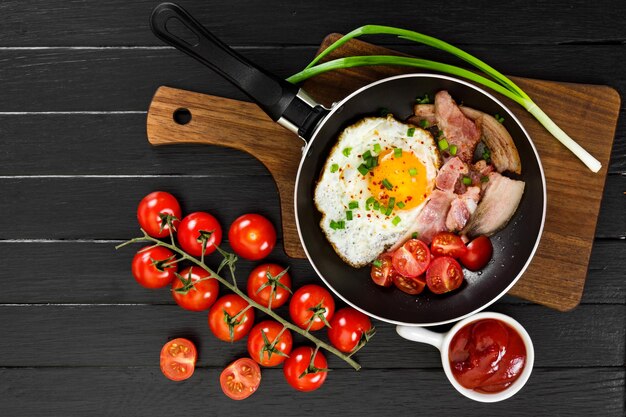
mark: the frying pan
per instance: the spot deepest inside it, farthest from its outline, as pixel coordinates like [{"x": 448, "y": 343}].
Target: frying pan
[{"x": 319, "y": 127}]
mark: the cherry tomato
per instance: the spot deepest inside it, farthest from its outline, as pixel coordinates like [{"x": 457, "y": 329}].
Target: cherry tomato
[
  {"x": 222, "y": 320},
  {"x": 444, "y": 275},
  {"x": 240, "y": 379},
  {"x": 409, "y": 285},
  {"x": 252, "y": 236},
  {"x": 153, "y": 210},
  {"x": 261, "y": 286},
  {"x": 298, "y": 362},
  {"x": 193, "y": 227},
  {"x": 178, "y": 359},
  {"x": 150, "y": 267},
  {"x": 347, "y": 328},
  {"x": 307, "y": 299},
  {"x": 197, "y": 293},
  {"x": 383, "y": 275},
  {"x": 412, "y": 258},
  {"x": 478, "y": 254},
  {"x": 279, "y": 347},
  {"x": 447, "y": 244}
]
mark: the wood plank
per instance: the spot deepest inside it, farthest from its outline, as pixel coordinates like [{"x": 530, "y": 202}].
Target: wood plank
[
  {"x": 71, "y": 203},
  {"x": 43, "y": 22},
  {"x": 131, "y": 335},
  {"x": 605, "y": 281},
  {"x": 144, "y": 391}
]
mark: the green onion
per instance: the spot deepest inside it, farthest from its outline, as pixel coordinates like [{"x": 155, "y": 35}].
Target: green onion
[
  {"x": 443, "y": 144},
  {"x": 334, "y": 168},
  {"x": 467, "y": 180},
  {"x": 484, "y": 178},
  {"x": 348, "y": 215},
  {"x": 377, "y": 148},
  {"x": 396, "y": 220},
  {"x": 413, "y": 172},
  {"x": 400, "y": 204},
  {"x": 499, "y": 118},
  {"x": 377, "y": 263},
  {"x": 363, "y": 169},
  {"x": 453, "y": 150},
  {"x": 415, "y": 235},
  {"x": 410, "y": 132},
  {"x": 392, "y": 202},
  {"x": 424, "y": 124},
  {"x": 341, "y": 224},
  {"x": 367, "y": 155},
  {"x": 486, "y": 154},
  {"x": 334, "y": 225},
  {"x": 439, "y": 133},
  {"x": 384, "y": 210},
  {"x": 387, "y": 184},
  {"x": 397, "y": 152},
  {"x": 371, "y": 162},
  {"x": 388, "y": 211},
  {"x": 369, "y": 202},
  {"x": 499, "y": 82},
  {"x": 346, "y": 151},
  {"x": 376, "y": 205},
  {"x": 422, "y": 100},
  {"x": 353, "y": 204}
]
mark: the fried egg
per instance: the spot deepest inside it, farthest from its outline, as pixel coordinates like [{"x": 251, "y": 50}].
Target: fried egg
[{"x": 375, "y": 182}]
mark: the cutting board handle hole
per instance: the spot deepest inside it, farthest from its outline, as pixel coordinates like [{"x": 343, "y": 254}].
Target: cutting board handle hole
[{"x": 182, "y": 116}]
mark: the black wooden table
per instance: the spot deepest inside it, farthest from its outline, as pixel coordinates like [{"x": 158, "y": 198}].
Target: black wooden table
[{"x": 79, "y": 337}]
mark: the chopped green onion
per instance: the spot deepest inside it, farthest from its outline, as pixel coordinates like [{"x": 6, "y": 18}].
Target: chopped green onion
[
  {"x": 371, "y": 162},
  {"x": 397, "y": 152},
  {"x": 384, "y": 210},
  {"x": 377, "y": 148},
  {"x": 499, "y": 118},
  {"x": 467, "y": 180},
  {"x": 353, "y": 204},
  {"x": 423, "y": 100},
  {"x": 337, "y": 225},
  {"x": 400, "y": 204},
  {"x": 346, "y": 151},
  {"x": 453, "y": 149},
  {"x": 334, "y": 168},
  {"x": 348, "y": 215},
  {"x": 413, "y": 172},
  {"x": 387, "y": 184},
  {"x": 414, "y": 235},
  {"x": 369, "y": 202},
  {"x": 439, "y": 133},
  {"x": 396, "y": 220},
  {"x": 363, "y": 169},
  {"x": 377, "y": 263},
  {"x": 424, "y": 124},
  {"x": 484, "y": 178},
  {"x": 486, "y": 154},
  {"x": 443, "y": 144},
  {"x": 392, "y": 202},
  {"x": 367, "y": 155},
  {"x": 376, "y": 205},
  {"x": 383, "y": 111},
  {"x": 410, "y": 132}
]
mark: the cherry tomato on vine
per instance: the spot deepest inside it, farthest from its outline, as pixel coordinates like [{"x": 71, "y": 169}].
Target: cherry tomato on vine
[
  {"x": 311, "y": 303},
  {"x": 150, "y": 267},
  {"x": 178, "y": 359},
  {"x": 261, "y": 286},
  {"x": 240, "y": 379},
  {"x": 412, "y": 258},
  {"x": 279, "y": 347},
  {"x": 347, "y": 328},
  {"x": 447, "y": 244},
  {"x": 444, "y": 275},
  {"x": 298, "y": 363},
  {"x": 478, "y": 253},
  {"x": 222, "y": 321},
  {"x": 198, "y": 228},
  {"x": 196, "y": 293},
  {"x": 252, "y": 236},
  {"x": 409, "y": 285},
  {"x": 382, "y": 270},
  {"x": 153, "y": 210}
]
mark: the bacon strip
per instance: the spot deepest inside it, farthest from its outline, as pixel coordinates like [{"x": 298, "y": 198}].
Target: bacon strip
[
  {"x": 457, "y": 128},
  {"x": 449, "y": 174}
]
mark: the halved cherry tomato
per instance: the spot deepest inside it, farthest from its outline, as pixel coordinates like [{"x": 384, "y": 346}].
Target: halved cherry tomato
[
  {"x": 478, "y": 253},
  {"x": 311, "y": 305},
  {"x": 412, "y": 258},
  {"x": 444, "y": 275},
  {"x": 261, "y": 286},
  {"x": 280, "y": 343},
  {"x": 409, "y": 285},
  {"x": 197, "y": 293},
  {"x": 153, "y": 210},
  {"x": 198, "y": 228},
  {"x": 382, "y": 275},
  {"x": 252, "y": 236},
  {"x": 347, "y": 328},
  {"x": 178, "y": 359},
  {"x": 298, "y": 363},
  {"x": 222, "y": 321},
  {"x": 240, "y": 379},
  {"x": 151, "y": 267},
  {"x": 447, "y": 244}
]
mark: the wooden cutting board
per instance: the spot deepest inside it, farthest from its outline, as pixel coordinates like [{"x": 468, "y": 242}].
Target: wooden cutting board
[{"x": 556, "y": 276}]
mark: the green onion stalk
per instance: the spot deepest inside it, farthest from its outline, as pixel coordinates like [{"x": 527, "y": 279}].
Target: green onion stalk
[{"x": 498, "y": 82}]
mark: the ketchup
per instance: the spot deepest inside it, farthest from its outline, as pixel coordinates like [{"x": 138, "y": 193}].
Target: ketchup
[{"x": 487, "y": 356}]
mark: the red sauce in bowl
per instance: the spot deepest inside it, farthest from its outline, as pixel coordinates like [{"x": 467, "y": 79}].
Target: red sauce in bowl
[{"x": 487, "y": 356}]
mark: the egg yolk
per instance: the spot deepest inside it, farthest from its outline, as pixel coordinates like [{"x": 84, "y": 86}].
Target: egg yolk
[{"x": 404, "y": 174}]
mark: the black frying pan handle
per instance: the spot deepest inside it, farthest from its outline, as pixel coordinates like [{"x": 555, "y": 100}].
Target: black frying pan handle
[{"x": 273, "y": 94}]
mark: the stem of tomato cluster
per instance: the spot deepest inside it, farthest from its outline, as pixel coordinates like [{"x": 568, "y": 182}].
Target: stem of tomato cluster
[{"x": 318, "y": 343}]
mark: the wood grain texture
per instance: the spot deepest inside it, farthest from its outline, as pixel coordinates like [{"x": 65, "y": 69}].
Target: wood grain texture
[{"x": 570, "y": 228}]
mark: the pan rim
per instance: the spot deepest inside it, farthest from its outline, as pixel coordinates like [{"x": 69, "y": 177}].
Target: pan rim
[{"x": 335, "y": 108}]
